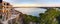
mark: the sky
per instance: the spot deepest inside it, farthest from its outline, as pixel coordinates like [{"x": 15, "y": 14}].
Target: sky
[{"x": 35, "y": 2}]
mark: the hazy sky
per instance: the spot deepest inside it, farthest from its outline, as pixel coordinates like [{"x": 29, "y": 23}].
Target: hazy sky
[
  {"x": 34, "y": 1},
  {"x": 37, "y": 2}
]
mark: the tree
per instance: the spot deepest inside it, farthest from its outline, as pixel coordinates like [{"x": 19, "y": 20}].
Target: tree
[
  {"x": 49, "y": 17},
  {"x": 30, "y": 18}
]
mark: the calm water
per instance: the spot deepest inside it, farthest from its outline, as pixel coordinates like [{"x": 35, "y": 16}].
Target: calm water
[{"x": 31, "y": 11}]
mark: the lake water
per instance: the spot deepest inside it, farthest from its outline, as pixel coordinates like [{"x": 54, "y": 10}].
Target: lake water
[{"x": 31, "y": 11}]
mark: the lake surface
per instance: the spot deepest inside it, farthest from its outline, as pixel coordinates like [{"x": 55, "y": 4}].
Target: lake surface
[{"x": 31, "y": 11}]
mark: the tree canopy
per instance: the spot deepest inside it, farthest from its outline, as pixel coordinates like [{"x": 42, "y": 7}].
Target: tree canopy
[
  {"x": 49, "y": 17},
  {"x": 30, "y": 18}
]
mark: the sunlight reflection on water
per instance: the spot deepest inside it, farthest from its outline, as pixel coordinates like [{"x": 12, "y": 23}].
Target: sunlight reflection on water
[{"x": 31, "y": 11}]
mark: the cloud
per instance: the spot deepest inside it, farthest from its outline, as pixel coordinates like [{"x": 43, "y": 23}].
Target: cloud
[
  {"x": 36, "y": 5},
  {"x": 41, "y": 3}
]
